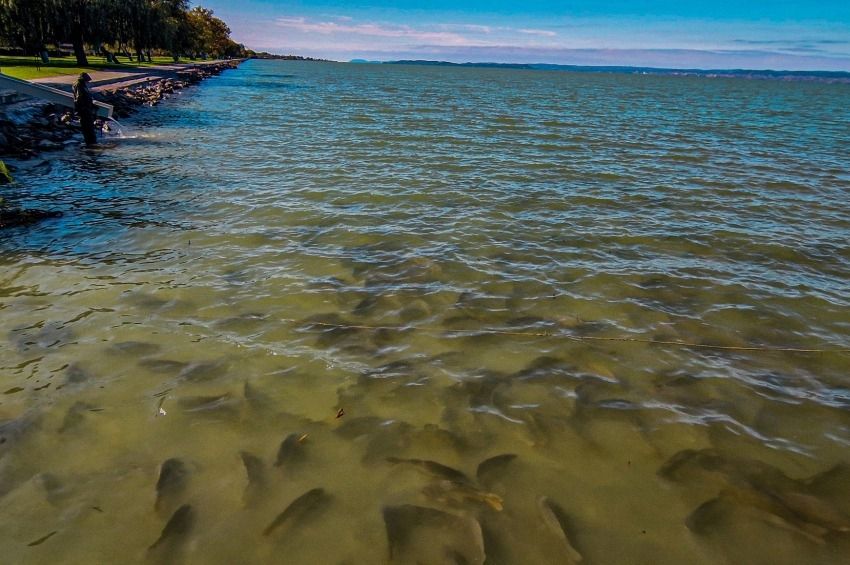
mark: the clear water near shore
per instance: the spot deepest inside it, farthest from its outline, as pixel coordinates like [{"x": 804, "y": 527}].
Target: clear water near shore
[{"x": 194, "y": 260}]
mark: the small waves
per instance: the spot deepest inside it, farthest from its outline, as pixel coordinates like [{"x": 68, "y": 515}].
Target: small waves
[{"x": 427, "y": 263}]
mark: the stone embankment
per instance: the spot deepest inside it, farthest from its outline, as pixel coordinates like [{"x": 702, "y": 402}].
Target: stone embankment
[{"x": 29, "y": 127}]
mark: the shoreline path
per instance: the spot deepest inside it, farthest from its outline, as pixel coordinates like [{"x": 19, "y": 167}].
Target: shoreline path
[{"x": 106, "y": 81}]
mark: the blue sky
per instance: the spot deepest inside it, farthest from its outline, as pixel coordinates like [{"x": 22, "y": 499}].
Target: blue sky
[{"x": 777, "y": 34}]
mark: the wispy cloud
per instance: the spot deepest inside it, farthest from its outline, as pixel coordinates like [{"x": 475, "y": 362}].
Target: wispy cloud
[
  {"x": 569, "y": 41},
  {"x": 543, "y": 32},
  {"x": 375, "y": 30},
  {"x": 451, "y": 34},
  {"x": 475, "y": 28},
  {"x": 826, "y": 47},
  {"x": 786, "y": 41}
]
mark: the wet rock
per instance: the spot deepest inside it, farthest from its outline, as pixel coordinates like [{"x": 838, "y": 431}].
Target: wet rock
[
  {"x": 16, "y": 217},
  {"x": 48, "y": 145}
]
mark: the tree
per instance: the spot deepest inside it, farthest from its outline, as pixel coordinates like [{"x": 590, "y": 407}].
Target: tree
[
  {"x": 173, "y": 25},
  {"x": 76, "y": 20},
  {"x": 209, "y": 35},
  {"x": 27, "y": 24},
  {"x": 144, "y": 25}
]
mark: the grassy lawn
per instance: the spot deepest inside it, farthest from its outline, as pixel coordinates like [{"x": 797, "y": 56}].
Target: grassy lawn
[{"x": 29, "y": 68}]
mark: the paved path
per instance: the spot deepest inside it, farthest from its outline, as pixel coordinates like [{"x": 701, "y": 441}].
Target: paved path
[
  {"x": 109, "y": 80},
  {"x": 116, "y": 79}
]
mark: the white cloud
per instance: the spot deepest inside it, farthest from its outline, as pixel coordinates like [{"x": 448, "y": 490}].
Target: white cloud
[
  {"x": 543, "y": 32},
  {"x": 304, "y": 25}
]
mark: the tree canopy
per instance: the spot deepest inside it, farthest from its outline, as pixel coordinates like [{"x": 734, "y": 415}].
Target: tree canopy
[{"x": 105, "y": 27}]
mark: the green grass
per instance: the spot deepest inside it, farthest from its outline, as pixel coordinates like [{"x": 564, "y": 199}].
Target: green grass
[{"x": 29, "y": 68}]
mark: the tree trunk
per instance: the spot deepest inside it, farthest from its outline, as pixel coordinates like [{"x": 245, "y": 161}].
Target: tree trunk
[
  {"x": 77, "y": 36},
  {"x": 80, "y": 52},
  {"x": 77, "y": 42},
  {"x": 138, "y": 45}
]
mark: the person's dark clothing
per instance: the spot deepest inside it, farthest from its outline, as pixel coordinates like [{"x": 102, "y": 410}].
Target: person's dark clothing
[
  {"x": 84, "y": 105},
  {"x": 83, "y": 101},
  {"x": 89, "y": 133}
]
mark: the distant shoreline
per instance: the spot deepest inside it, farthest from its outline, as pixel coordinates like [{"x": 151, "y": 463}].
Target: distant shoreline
[{"x": 837, "y": 77}]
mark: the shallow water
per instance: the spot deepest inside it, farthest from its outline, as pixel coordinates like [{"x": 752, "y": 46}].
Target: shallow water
[{"x": 481, "y": 229}]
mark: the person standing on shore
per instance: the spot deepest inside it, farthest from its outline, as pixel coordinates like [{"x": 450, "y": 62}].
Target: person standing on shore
[{"x": 84, "y": 106}]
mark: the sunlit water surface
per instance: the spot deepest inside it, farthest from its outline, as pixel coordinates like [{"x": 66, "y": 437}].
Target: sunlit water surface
[{"x": 198, "y": 259}]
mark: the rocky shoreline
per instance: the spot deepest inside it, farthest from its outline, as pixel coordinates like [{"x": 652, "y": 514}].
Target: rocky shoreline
[
  {"x": 46, "y": 127},
  {"x": 50, "y": 127}
]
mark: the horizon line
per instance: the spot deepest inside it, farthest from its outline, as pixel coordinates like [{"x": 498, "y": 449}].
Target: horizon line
[{"x": 447, "y": 62}]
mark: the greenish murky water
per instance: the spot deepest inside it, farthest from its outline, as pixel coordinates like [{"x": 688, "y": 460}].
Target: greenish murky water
[{"x": 290, "y": 242}]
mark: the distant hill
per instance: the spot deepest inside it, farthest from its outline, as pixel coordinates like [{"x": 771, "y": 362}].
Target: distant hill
[
  {"x": 815, "y": 76},
  {"x": 265, "y": 55}
]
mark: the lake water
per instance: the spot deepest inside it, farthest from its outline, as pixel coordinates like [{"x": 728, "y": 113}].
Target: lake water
[{"x": 394, "y": 265}]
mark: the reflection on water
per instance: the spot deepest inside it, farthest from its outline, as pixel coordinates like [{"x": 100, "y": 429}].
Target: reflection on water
[{"x": 265, "y": 325}]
